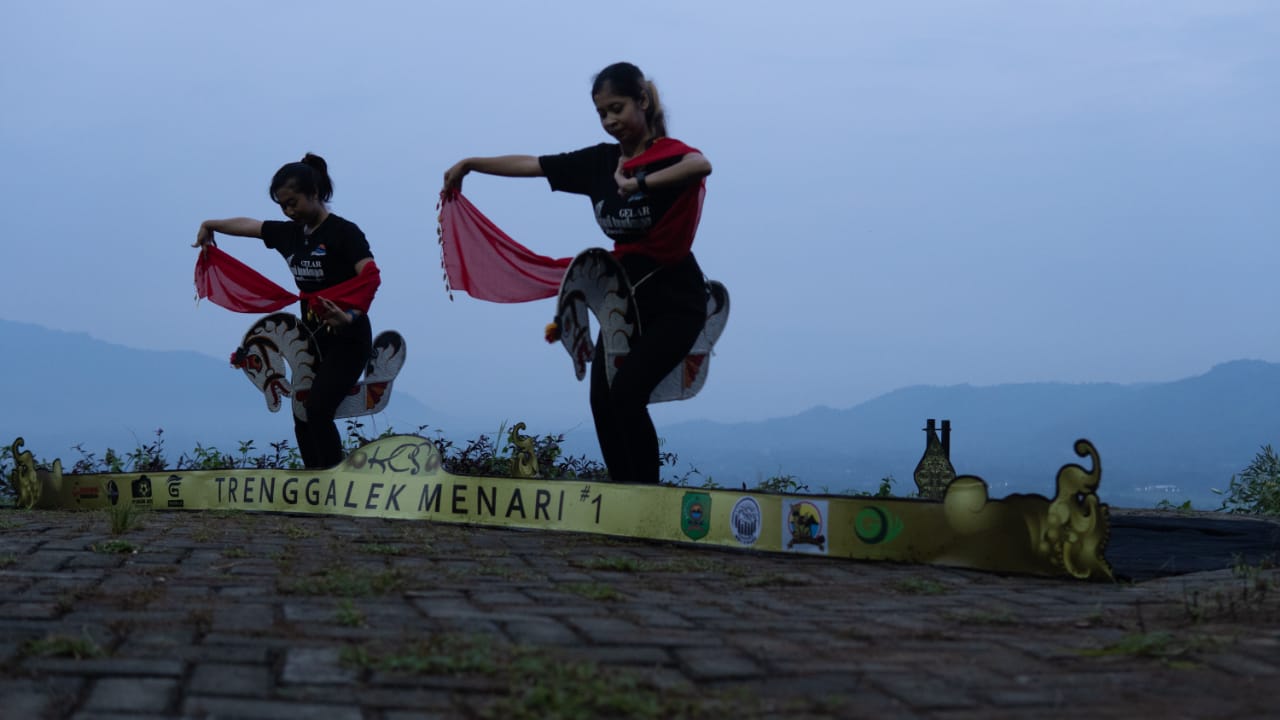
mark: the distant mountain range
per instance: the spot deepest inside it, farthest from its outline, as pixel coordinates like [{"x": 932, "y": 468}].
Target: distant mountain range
[
  {"x": 1174, "y": 440},
  {"x": 61, "y": 389}
]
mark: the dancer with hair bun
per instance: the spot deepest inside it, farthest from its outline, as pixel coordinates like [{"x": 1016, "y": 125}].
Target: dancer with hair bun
[{"x": 323, "y": 250}]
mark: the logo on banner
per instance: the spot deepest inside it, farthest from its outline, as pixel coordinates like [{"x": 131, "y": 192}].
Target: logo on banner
[
  {"x": 874, "y": 525},
  {"x": 802, "y": 524},
  {"x": 141, "y": 489},
  {"x": 744, "y": 521},
  {"x": 174, "y": 486},
  {"x": 695, "y": 515},
  {"x": 85, "y": 492},
  {"x": 113, "y": 492}
]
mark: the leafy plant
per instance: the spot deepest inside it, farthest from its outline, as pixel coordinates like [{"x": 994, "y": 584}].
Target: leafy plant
[
  {"x": 782, "y": 484},
  {"x": 379, "y": 549},
  {"x": 205, "y": 458},
  {"x": 148, "y": 457},
  {"x": 689, "y": 478},
  {"x": 615, "y": 563},
  {"x": 484, "y": 456},
  {"x": 124, "y": 517},
  {"x": 533, "y": 683},
  {"x": 1256, "y": 490},
  {"x": 1184, "y": 507},
  {"x": 347, "y": 582},
  {"x": 8, "y": 495},
  {"x": 1174, "y": 652},
  {"x": 62, "y": 646},
  {"x": 918, "y": 586},
  {"x": 114, "y": 546},
  {"x": 349, "y": 614},
  {"x": 886, "y": 487},
  {"x": 479, "y": 456},
  {"x": 594, "y": 591}
]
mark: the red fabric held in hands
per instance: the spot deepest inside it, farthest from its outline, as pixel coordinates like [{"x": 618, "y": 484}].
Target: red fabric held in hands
[
  {"x": 486, "y": 263},
  {"x": 231, "y": 284}
]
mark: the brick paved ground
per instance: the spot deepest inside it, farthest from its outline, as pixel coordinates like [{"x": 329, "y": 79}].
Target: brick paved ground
[{"x": 223, "y": 615}]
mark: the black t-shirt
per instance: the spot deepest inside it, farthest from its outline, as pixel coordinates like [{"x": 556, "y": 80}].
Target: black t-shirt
[
  {"x": 322, "y": 259},
  {"x": 589, "y": 172}
]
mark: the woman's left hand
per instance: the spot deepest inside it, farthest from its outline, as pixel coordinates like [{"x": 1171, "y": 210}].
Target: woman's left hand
[
  {"x": 332, "y": 315},
  {"x": 627, "y": 185}
]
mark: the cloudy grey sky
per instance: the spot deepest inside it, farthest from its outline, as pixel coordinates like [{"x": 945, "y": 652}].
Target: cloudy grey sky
[{"x": 904, "y": 193}]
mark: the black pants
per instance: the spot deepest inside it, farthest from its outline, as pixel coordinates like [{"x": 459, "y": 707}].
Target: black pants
[
  {"x": 672, "y": 304},
  {"x": 343, "y": 356}
]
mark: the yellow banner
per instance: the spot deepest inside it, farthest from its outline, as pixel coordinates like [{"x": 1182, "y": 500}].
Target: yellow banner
[{"x": 401, "y": 477}]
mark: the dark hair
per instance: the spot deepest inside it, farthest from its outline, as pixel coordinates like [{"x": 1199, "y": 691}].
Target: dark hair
[
  {"x": 626, "y": 79},
  {"x": 309, "y": 177}
]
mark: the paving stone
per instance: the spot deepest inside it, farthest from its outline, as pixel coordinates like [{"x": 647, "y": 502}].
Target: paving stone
[
  {"x": 245, "y": 616},
  {"x": 30, "y": 610},
  {"x": 416, "y": 715},
  {"x": 230, "y": 679},
  {"x": 1244, "y": 666},
  {"x": 215, "y": 636},
  {"x": 540, "y": 633},
  {"x": 717, "y": 663},
  {"x": 922, "y": 692},
  {"x": 635, "y": 655},
  {"x": 308, "y": 666},
  {"x": 452, "y": 683},
  {"x": 132, "y": 695},
  {"x": 653, "y": 617},
  {"x": 95, "y": 560},
  {"x": 404, "y": 695},
  {"x": 500, "y": 598},
  {"x": 167, "y": 637},
  {"x": 100, "y": 667},
  {"x": 38, "y": 697},
  {"x": 218, "y": 708}
]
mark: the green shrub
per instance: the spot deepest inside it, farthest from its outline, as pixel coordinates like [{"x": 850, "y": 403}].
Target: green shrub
[
  {"x": 480, "y": 456},
  {"x": 1256, "y": 490}
]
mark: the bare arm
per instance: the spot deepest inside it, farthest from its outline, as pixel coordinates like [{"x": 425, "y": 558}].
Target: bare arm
[
  {"x": 504, "y": 165},
  {"x": 241, "y": 226},
  {"x": 691, "y": 167}
]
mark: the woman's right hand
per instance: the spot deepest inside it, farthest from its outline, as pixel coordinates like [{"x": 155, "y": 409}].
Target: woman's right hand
[
  {"x": 453, "y": 176},
  {"x": 204, "y": 237}
]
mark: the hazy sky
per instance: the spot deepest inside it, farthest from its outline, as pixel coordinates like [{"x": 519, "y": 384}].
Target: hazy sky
[{"x": 903, "y": 193}]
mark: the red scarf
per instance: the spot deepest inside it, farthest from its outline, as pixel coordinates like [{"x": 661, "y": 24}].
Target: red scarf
[
  {"x": 672, "y": 238},
  {"x": 492, "y": 267},
  {"x": 231, "y": 284},
  {"x": 484, "y": 262}
]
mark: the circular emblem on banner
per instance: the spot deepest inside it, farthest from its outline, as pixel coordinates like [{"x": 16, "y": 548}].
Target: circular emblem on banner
[
  {"x": 875, "y": 525},
  {"x": 744, "y": 520}
]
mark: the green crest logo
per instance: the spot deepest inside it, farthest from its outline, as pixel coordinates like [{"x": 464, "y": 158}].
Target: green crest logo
[
  {"x": 874, "y": 525},
  {"x": 695, "y": 515}
]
